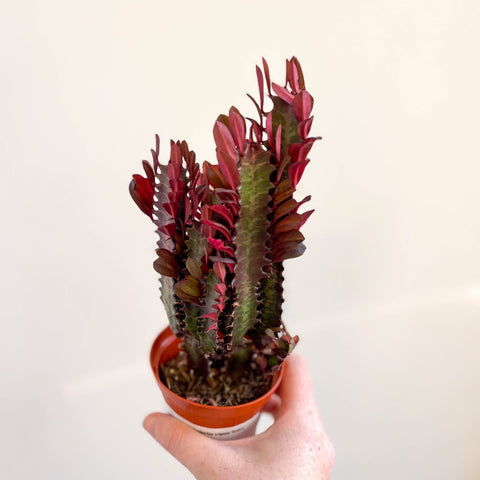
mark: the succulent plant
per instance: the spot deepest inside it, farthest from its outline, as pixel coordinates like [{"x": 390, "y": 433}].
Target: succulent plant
[{"x": 224, "y": 230}]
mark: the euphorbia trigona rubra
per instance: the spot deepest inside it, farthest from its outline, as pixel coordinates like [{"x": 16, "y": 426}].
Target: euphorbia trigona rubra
[{"x": 225, "y": 229}]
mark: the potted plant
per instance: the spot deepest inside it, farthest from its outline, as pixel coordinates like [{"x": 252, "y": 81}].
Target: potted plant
[{"x": 224, "y": 231}]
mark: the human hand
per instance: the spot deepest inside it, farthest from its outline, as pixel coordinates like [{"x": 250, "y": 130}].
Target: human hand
[{"x": 294, "y": 447}]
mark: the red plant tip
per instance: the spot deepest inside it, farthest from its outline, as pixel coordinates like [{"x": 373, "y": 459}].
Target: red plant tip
[
  {"x": 295, "y": 75},
  {"x": 283, "y": 93},
  {"x": 260, "y": 87},
  {"x": 227, "y": 233},
  {"x": 220, "y": 246},
  {"x": 237, "y": 129},
  {"x": 141, "y": 191},
  {"x": 295, "y": 171},
  {"x": 302, "y": 105},
  {"x": 267, "y": 76},
  {"x": 224, "y": 213},
  {"x": 226, "y": 154}
]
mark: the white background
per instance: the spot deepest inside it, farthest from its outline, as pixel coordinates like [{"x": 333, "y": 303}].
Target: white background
[{"x": 386, "y": 299}]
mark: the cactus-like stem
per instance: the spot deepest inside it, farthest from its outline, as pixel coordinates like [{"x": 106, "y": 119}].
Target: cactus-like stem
[
  {"x": 250, "y": 239},
  {"x": 270, "y": 294}
]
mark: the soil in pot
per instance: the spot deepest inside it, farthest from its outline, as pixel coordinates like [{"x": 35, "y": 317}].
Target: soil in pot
[{"x": 222, "y": 389}]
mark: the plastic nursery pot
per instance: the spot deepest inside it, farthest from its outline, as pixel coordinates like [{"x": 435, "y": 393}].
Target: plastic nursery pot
[{"x": 224, "y": 423}]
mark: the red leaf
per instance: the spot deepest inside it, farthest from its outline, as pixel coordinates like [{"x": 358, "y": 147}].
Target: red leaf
[
  {"x": 289, "y": 251},
  {"x": 148, "y": 171},
  {"x": 237, "y": 127},
  {"x": 228, "y": 261},
  {"x": 171, "y": 208},
  {"x": 169, "y": 230},
  {"x": 220, "y": 288},
  {"x": 187, "y": 212},
  {"x": 194, "y": 268},
  {"x": 219, "y": 270},
  {"x": 166, "y": 264},
  {"x": 205, "y": 214},
  {"x": 286, "y": 245},
  {"x": 304, "y": 128},
  {"x": 267, "y": 75},
  {"x": 220, "y": 306},
  {"x": 282, "y": 192},
  {"x": 296, "y": 170},
  {"x": 283, "y": 93},
  {"x": 214, "y": 176},
  {"x": 175, "y": 197},
  {"x": 292, "y": 76},
  {"x": 141, "y": 191},
  {"x": 228, "y": 168},
  {"x": 143, "y": 185},
  {"x": 223, "y": 139},
  {"x": 301, "y": 81},
  {"x": 223, "y": 119},
  {"x": 292, "y": 222},
  {"x": 287, "y": 71},
  {"x": 220, "y": 228},
  {"x": 224, "y": 212},
  {"x": 302, "y": 105},
  {"x": 176, "y": 185},
  {"x": 260, "y": 86},
  {"x": 299, "y": 151},
  {"x": 278, "y": 142},
  {"x": 306, "y": 199},
  {"x": 220, "y": 246},
  {"x": 212, "y": 316},
  {"x": 232, "y": 206},
  {"x": 281, "y": 167},
  {"x": 227, "y": 195},
  {"x": 189, "y": 289},
  {"x": 305, "y": 216},
  {"x": 285, "y": 208},
  {"x": 175, "y": 160},
  {"x": 255, "y": 131}
]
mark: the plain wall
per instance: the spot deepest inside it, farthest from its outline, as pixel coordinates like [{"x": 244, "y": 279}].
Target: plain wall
[{"x": 386, "y": 299}]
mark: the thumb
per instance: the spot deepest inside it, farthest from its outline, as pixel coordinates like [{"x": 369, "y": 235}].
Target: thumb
[
  {"x": 296, "y": 390},
  {"x": 188, "y": 446}
]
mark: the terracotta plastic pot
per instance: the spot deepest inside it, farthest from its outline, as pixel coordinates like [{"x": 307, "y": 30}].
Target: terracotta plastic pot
[{"x": 220, "y": 422}]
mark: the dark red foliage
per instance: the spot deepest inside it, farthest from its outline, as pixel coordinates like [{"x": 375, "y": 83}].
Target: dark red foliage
[
  {"x": 196, "y": 210},
  {"x": 141, "y": 190}
]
